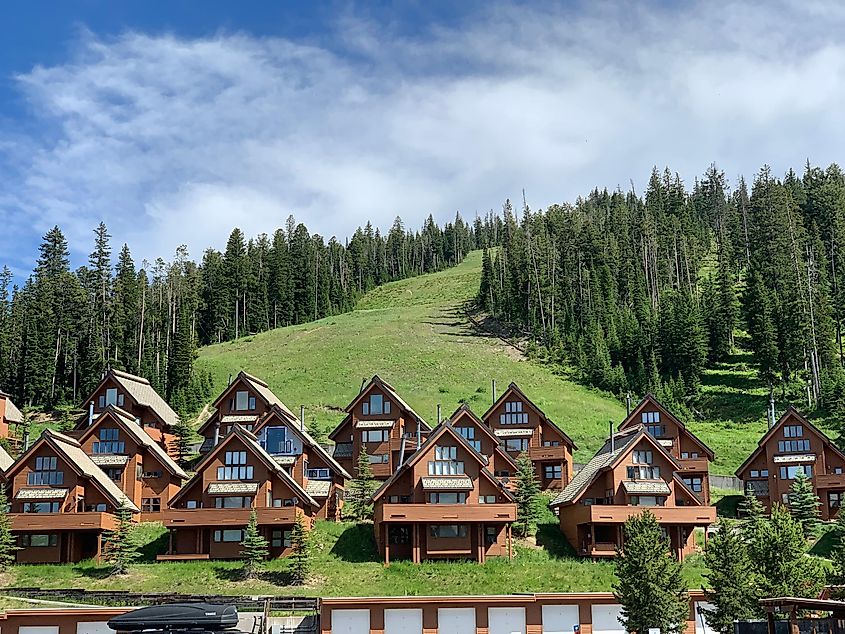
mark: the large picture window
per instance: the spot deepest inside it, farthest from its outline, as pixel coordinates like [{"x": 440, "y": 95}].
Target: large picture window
[
  {"x": 447, "y": 497},
  {"x": 516, "y": 444},
  {"x": 790, "y": 472},
  {"x": 446, "y": 531},
  {"x": 445, "y": 462},
  {"x": 236, "y": 467},
  {"x": 229, "y": 535},
  {"x": 513, "y": 414},
  {"x": 46, "y": 472}
]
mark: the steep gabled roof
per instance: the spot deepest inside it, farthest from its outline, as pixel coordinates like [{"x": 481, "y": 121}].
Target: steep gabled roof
[
  {"x": 13, "y": 414},
  {"x": 513, "y": 388},
  {"x": 464, "y": 410},
  {"x": 140, "y": 390},
  {"x": 304, "y": 436},
  {"x": 790, "y": 411},
  {"x": 651, "y": 399},
  {"x": 611, "y": 452},
  {"x": 71, "y": 452},
  {"x": 6, "y": 460},
  {"x": 260, "y": 387},
  {"x": 443, "y": 428},
  {"x": 251, "y": 443},
  {"x": 142, "y": 438},
  {"x": 377, "y": 381}
]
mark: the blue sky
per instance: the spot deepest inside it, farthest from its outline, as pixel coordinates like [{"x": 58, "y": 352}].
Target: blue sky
[{"x": 175, "y": 121}]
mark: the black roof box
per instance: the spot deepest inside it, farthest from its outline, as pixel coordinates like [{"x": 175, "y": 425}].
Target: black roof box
[{"x": 177, "y": 616}]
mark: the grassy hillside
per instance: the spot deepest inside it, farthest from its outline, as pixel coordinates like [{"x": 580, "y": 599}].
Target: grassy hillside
[{"x": 414, "y": 334}]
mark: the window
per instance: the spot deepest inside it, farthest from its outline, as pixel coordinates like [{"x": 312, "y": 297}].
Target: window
[
  {"x": 229, "y": 535},
  {"x": 486, "y": 499},
  {"x": 764, "y": 473},
  {"x": 793, "y": 431},
  {"x": 755, "y": 473},
  {"x": 551, "y": 472},
  {"x": 834, "y": 500},
  {"x": 241, "y": 400},
  {"x": 280, "y": 538},
  {"x": 191, "y": 504},
  {"x": 551, "y": 443},
  {"x": 114, "y": 473},
  {"x": 398, "y": 499},
  {"x": 502, "y": 474},
  {"x": 150, "y": 505},
  {"x": 232, "y": 502},
  {"x": 236, "y": 467},
  {"x": 375, "y": 435},
  {"x": 650, "y": 417},
  {"x": 151, "y": 475},
  {"x": 445, "y": 531},
  {"x": 276, "y": 441},
  {"x": 837, "y": 470},
  {"x": 41, "y": 507},
  {"x": 45, "y": 472},
  {"x": 513, "y": 414},
  {"x": 318, "y": 474},
  {"x": 381, "y": 458},
  {"x": 647, "y": 500},
  {"x": 447, "y": 497},
  {"x": 376, "y": 405},
  {"x": 469, "y": 435},
  {"x": 644, "y": 472},
  {"x": 516, "y": 444},
  {"x": 657, "y": 431},
  {"x": 694, "y": 484},
  {"x": 794, "y": 446},
  {"x": 789, "y": 473},
  {"x": 642, "y": 457},
  {"x": 491, "y": 535},
  {"x": 111, "y": 396},
  {"x": 109, "y": 442},
  {"x": 445, "y": 462},
  {"x": 39, "y": 540},
  {"x": 399, "y": 535}
]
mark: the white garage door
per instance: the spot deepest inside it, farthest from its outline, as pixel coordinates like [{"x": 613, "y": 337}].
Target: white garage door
[
  {"x": 506, "y": 620},
  {"x": 38, "y": 629},
  {"x": 606, "y": 619},
  {"x": 701, "y": 626},
  {"x": 403, "y": 622},
  {"x": 456, "y": 621},
  {"x": 93, "y": 628},
  {"x": 560, "y": 619},
  {"x": 350, "y": 622}
]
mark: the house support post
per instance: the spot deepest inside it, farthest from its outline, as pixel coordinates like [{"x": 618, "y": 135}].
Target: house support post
[
  {"x": 510, "y": 543},
  {"x": 386, "y": 542}
]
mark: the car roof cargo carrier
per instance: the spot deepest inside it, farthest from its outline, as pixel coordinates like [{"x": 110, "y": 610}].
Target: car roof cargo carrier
[{"x": 195, "y": 618}]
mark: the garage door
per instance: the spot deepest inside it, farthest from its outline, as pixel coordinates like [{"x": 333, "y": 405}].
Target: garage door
[
  {"x": 350, "y": 622},
  {"x": 606, "y": 619},
  {"x": 93, "y": 628},
  {"x": 403, "y": 622},
  {"x": 38, "y": 629},
  {"x": 456, "y": 621},
  {"x": 560, "y": 619},
  {"x": 506, "y": 620},
  {"x": 701, "y": 626}
]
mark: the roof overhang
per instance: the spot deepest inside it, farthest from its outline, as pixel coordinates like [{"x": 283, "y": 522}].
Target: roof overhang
[
  {"x": 645, "y": 487},
  {"x": 232, "y": 488},
  {"x": 106, "y": 460},
  {"x": 796, "y": 459},
  {"x": 375, "y": 424},
  {"x": 447, "y": 483},
  {"x": 514, "y": 433},
  {"x": 41, "y": 494}
]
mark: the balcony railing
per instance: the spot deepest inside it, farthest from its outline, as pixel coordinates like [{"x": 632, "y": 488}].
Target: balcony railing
[
  {"x": 547, "y": 453},
  {"x": 830, "y": 481},
  {"x": 446, "y": 513},
  {"x": 174, "y": 518},
  {"x": 63, "y": 521}
]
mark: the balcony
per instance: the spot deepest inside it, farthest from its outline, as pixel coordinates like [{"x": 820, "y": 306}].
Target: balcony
[
  {"x": 539, "y": 454},
  {"x": 619, "y": 514},
  {"x": 693, "y": 465},
  {"x": 830, "y": 481},
  {"x": 90, "y": 521},
  {"x": 395, "y": 444},
  {"x": 446, "y": 513},
  {"x": 603, "y": 549},
  {"x": 175, "y": 518}
]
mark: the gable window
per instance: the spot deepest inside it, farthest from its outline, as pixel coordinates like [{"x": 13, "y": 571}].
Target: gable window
[
  {"x": 232, "y": 502},
  {"x": 644, "y": 472},
  {"x": 109, "y": 442},
  {"x": 516, "y": 444},
  {"x": 236, "y": 467},
  {"x": 650, "y": 417},
  {"x": 794, "y": 446},
  {"x": 445, "y": 531},
  {"x": 486, "y": 499},
  {"x": 658, "y": 431},
  {"x": 642, "y": 457},
  {"x": 243, "y": 401},
  {"x": 468, "y": 434},
  {"x": 552, "y": 472},
  {"x": 229, "y": 535},
  {"x": 45, "y": 472},
  {"x": 694, "y": 484},
  {"x": 513, "y": 414},
  {"x": 150, "y": 505},
  {"x": 445, "y": 462},
  {"x": 793, "y": 431},
  {"x": 375, "y": 435},
  {"x": 789, "y": 473},
  {"x": 276, "y": 441},
  {"x": 41, "y": 507},
  {"x": 280, "y": 538},
  {"x": 114, "y": 473},
  {"x": 376, "y": 405},
  {"x": 447, "y": 497}
]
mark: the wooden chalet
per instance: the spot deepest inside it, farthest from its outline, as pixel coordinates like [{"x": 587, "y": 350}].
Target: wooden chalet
[
  {"x": 207, "y": 518},
  {"x": 61, "y": 502},
  {"x": 689, "y": 451},
  {"x": 521, "y": 427},
  {"x": 133, "y": 461},
  {"x": 379, "y": 422},
  {"x": 243, "y": 402},
  {"x": 632, "y": 471},
  {"x": 793, "y": 445},
  {"x": 10, "y": 417},
  {"x": 443, "y": 503},
  {"x": 134, "y": 395},
  {"x": 311, "y": 466},
  {"x": 481, "y": 438}
]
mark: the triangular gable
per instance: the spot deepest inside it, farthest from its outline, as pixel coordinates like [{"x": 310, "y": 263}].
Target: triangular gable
[
  {"x": 679, "y": 482},
  {"x": 259, "y": 387},
  {"x": 513, "y": 388},
  {"x": 252, "y": 444},
  {"x": 790, "y": 411},
  {"x": 141, "y": 392},
  {"x": 649, "y": 399},
  {"x": 6, "y": 460},
  {"x": 465, "y": 412},
  {"x": 377, "y": 381},
  {"x": 127, "y": 423},
  {"x": 444, "y": 428},
  {"x": 80, "y": 463}
]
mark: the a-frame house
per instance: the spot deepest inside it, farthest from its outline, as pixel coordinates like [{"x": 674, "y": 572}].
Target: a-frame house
[
  {"x": 485, "y": 442},
  {"x": 522, "y": 427},
  {"x": 793, "y": 445},
  {"x": 443, "y": 503},
  {"x": 292, "y": 447},
  {"x": 207, "y": 518},
  {"x": 691, "y": 453},
  {"x": 380, "y": 423}
]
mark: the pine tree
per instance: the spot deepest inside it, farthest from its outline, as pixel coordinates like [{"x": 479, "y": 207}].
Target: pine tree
[
  {"x": 300, "y": 542},
  {"x": 650, "y": 584},
  {"x": 8, "y": 543},
  {"x": 184, "y": 438},
  {"x": 485, "y": 290},
  {"x": 358, "y": 505},
  {"x": 254, "y": 549},
  {"x": 731, "y": 580},
  {"x": 836, "y": 576},
  {"x": 804, "y": 504},
  {"x": 527, "y": 494},
  {"x": 121, "y": 548}
]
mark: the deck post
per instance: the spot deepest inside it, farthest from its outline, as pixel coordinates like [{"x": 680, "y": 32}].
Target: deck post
[
  {"x": 415, "y": 557},
  {"x": 99, "y": 547},
  {"x": 170, "y": 542},
  {"x": 793, "y": 621},
  {"x": 770, "y": 619},
  {"x": 510, "y": 543},
  {"x": 386, "y": 545}
]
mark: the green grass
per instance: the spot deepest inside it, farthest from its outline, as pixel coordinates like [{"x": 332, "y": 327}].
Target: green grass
[
  {"x": 415, "y": 335},
  {"x": 346, "y": 564}
]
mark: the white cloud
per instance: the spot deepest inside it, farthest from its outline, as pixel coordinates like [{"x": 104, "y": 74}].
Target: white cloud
[{"x": 176, "y": 141}]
